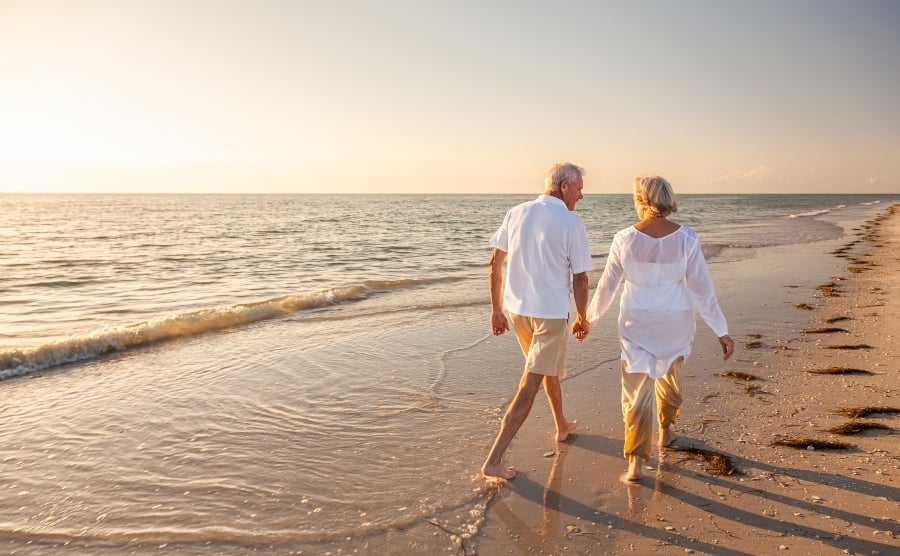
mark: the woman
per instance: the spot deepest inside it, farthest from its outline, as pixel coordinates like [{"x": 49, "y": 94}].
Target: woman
[{"x": 666, "y": 283}]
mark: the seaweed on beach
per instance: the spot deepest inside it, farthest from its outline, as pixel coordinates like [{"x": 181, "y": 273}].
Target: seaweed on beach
[
  {"x": 753, "y": 345},
  {"x": 857, "y": 269},
  {"x": 840, "y": 371},
  {"x": 739, "y": 375},
  {"x": 823, "y": 330},
  {"x": 755, "y": 336},
  {"x": 856, "y": 412},
  {"x": 828, "y": 290},
  {"x": 718, "y": 464},
  {"x": 856, "y": 427},
  {"x": 850, "y": 346},
  {"x": 812, "y": 443},
  {"x": 805, "y": 306},
  {"x": 833, "y": 320},
  {"x": 754, "y": 389}
]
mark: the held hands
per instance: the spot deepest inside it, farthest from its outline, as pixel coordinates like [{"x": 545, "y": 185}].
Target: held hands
[
  {"x": 499, "y": 324},
  {"x": 581, "y": 328},
  {"x": 727, "y": 346}
]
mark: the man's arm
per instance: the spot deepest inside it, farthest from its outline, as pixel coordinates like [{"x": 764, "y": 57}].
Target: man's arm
[
  {"x": 581, "y": 327},
  {"x": 499, "y": 324}
]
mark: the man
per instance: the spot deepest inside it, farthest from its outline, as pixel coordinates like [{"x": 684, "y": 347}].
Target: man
[{"x": 544, "y": 241}]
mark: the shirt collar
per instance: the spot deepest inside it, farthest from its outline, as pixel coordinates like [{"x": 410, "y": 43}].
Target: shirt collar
[{"x": 551, "y": 200}]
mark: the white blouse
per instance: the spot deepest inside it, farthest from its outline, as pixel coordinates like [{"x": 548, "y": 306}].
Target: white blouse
[{"x": 666, "y": 283}]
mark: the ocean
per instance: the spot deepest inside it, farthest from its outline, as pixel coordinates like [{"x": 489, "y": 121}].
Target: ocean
[{"x": 228, "y": 374}]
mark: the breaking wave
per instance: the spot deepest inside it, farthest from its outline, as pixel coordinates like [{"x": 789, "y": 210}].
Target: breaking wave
[
  {"x": 818, "y": 212},
  {"x": 109, "y": 339}
]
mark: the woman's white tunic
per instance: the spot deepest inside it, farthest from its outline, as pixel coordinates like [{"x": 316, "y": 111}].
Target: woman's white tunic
[{"x": 666, "y": 283}]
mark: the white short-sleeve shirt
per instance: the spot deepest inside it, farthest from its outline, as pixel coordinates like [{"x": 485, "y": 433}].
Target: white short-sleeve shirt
[{"x": 545, "y": 244}]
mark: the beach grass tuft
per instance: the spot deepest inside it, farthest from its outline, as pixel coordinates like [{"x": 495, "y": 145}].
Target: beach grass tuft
[
  {"x": 840, "y": 371},
  {"x": 856, "y": 427},
  {"x": 717, "y": 463},
  {"x": 812, "y": 443}
]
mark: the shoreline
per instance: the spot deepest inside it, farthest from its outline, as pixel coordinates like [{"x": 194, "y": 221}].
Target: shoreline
[{"x": 569, "y": 498}]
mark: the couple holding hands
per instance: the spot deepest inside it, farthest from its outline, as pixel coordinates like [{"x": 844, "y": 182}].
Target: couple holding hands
[{"x": 666, "y": 280}]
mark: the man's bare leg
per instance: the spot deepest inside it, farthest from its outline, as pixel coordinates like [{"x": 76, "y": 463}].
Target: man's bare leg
[
  {"x": 512, "y": 421},
  {"x": 554, "y": 395}
]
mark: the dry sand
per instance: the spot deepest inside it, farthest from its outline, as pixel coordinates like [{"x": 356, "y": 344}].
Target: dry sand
[{"x": 569, "y": 499}]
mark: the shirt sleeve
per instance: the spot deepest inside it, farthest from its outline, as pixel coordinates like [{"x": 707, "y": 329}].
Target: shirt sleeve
[
  {"x": 701, "y": 291},
  {"x": 580, "y": 253},
  {"x": 609, "y": 283},
  {"x": 500, "y": 239}
]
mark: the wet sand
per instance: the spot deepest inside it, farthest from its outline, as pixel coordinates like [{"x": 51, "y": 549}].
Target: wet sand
[{"x": 570, "y": 499}]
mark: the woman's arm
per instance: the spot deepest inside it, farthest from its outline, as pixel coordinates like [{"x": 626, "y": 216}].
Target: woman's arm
[
  {"x": 609, "y": 283},
  {"x": 701, "y": 291}
]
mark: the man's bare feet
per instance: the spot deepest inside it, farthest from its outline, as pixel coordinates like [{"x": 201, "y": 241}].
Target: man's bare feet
[
  {"x": 667, "y": 437},
  {"x": 500, "y": 471},
  {"x": 634, "y": 469},
  {"x": 561, "y": 436}
]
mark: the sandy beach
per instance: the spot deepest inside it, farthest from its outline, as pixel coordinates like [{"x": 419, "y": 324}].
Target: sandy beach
[{"x": 816, "y": 327}]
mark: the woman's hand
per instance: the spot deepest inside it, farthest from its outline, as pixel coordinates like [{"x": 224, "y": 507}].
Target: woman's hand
[{"x": 727, "y": 346}]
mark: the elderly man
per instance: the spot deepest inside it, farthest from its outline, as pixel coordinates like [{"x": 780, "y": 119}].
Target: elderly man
[{"x": 544, "y": 241}]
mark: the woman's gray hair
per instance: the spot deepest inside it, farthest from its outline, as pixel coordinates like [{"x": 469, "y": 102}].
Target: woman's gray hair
[
  {"x": 654, "y": 195},
  {"x": 562, "y": 172}
]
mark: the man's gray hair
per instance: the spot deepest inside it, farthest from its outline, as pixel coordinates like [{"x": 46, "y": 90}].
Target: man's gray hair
[
  {"x": 654, "y": 195},
  {"x": 562, "y": 172}
]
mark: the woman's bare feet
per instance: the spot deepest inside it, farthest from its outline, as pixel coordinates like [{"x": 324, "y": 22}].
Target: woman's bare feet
[
  {"x": 562, "y": 435},
  {"x": 667, "y": 437},
  {"x": 500, "y": 471},
  {"x": 634, "y": 469}
]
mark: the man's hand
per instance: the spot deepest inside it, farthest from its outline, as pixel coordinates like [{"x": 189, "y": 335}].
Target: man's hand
[
  {"x": 581, "y": 328},
  {"x": 499, "y": 324}
]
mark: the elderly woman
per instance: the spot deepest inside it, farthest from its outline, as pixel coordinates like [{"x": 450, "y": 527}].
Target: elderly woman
[{"x": 666, "y": 283}]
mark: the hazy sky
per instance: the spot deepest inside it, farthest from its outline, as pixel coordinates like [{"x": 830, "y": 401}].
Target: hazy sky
[{"x": 448, "y": 96}]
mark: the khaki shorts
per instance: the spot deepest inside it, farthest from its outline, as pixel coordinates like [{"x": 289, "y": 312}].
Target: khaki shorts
[{"x": 545, "y": 343}]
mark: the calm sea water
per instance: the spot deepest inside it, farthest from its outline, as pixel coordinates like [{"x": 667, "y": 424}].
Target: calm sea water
[{"x": 229, "y": 373}]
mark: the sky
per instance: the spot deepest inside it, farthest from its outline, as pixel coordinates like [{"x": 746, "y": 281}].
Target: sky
[{"x": 456, "y": 96}]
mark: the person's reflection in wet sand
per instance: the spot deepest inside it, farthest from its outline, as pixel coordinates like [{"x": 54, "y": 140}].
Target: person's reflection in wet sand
[
  {"x": 637, "y": 507},
  {"x": 638, "y": 493},
  {"x": 546, "y": 537},
  {"x": 666, "y": 472},
  {"x": 550, "y": 523}
]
